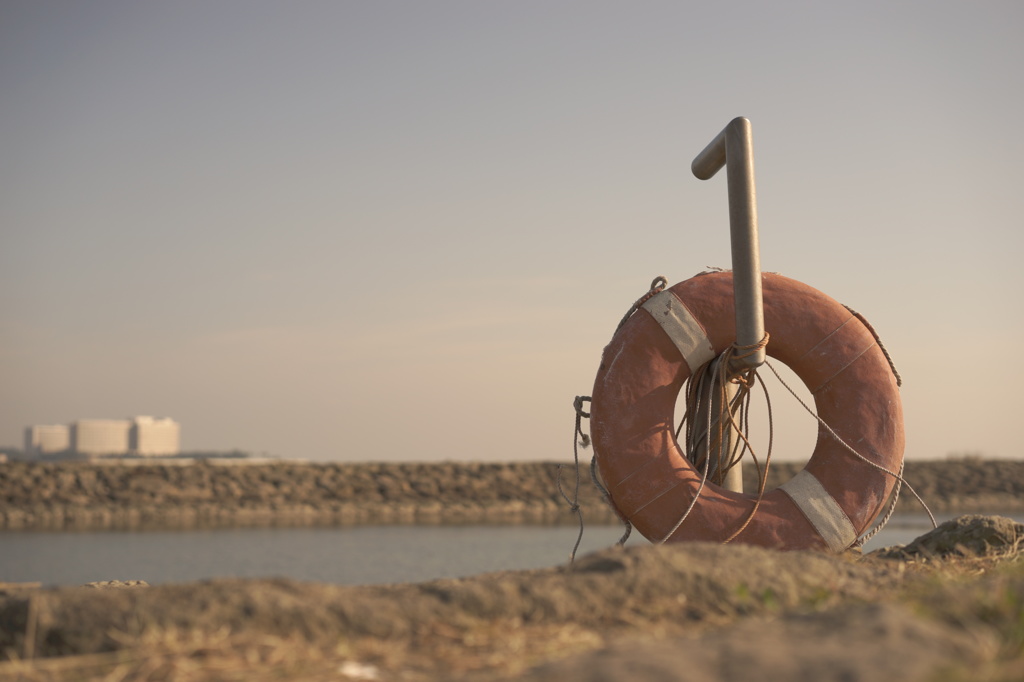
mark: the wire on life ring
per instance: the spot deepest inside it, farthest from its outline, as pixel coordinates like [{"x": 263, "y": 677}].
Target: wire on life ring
[{"x": 650, "y": 481}]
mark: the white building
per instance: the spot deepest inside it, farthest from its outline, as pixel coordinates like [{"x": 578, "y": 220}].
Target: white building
[
  {"x": 98, "y": 437},
  {"x": 140, "y": 436},
  {"x": 47, "y": 439},
  {"x": 150, "y": 437}
]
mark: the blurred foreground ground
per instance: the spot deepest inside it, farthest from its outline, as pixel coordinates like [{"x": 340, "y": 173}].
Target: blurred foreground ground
[{"x": 948, "y": 607}]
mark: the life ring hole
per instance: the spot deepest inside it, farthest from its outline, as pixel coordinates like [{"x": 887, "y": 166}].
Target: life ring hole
[{"x": 793, "y": 433}]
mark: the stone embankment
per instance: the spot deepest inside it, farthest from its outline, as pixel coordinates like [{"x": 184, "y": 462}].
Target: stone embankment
[{"x": 80, "y": 495}]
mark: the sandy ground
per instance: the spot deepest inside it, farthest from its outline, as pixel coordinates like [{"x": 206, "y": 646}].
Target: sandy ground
[{"x": 949, "y": 606}]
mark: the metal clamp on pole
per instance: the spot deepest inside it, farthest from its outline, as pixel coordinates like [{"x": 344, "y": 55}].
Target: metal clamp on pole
[{"x": 734, "y": 148}]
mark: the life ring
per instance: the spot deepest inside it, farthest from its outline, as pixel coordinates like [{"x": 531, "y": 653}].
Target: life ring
[{"x": 651, "y": 483}]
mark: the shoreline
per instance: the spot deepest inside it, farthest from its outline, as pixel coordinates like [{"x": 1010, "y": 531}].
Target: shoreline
[{"x": 109, "y": 496}]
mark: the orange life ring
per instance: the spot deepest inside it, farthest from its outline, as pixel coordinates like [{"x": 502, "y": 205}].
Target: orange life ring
[{"x": 651, "y": 482}]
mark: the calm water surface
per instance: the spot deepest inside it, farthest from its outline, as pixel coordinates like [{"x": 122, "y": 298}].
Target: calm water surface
[{"x": 352, "y": 556}]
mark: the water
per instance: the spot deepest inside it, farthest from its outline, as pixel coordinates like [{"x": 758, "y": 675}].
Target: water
[{"x": 347, "y": 555}]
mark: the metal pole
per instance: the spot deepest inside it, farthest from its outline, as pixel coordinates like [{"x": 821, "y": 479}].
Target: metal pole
[{"x": 734, "y": 147}]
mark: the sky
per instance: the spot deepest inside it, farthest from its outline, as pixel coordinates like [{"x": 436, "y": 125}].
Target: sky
[{"x": 398, "y": 231}]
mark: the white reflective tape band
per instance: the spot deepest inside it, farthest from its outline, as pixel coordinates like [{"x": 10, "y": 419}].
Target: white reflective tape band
[
  {"x": 682, "y": 327},
  {"x": 821, "y": 509}
]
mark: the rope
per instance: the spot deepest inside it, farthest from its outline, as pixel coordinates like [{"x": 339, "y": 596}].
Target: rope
[
  {"x": 751, "y": 349},
  {"x": 696, "y": 389},
  {"x": 888, "y": 513},
  {"x": 762, "y": 477},
  {"x": 595, "y": 478},
  {"x": 898, "y": 476},
  {"x": 657, "y": 286},
  {"x": 700, "y": 488},
  {"x": 888, "y": 358},
  {"x": 736, "y": 418},
  {"x": 578, "y": 438},
  {"x": 733, "y": 416}
]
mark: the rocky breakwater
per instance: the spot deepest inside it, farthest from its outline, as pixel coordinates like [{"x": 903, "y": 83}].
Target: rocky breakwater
[{"x": 81, "y": 495}]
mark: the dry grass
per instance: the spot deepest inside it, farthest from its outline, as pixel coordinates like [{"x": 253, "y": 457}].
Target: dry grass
[
  {"x": 983, "y": 597},
  {"x": 197, "y": 655}
]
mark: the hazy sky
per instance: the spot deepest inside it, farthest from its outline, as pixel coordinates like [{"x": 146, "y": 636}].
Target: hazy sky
[{"x": 405, "y": 230}]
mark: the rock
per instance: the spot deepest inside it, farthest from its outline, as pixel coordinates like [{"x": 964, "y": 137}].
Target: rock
[
  {"x": 117, "y": 583},
  {"x": 969, "y": 535}
]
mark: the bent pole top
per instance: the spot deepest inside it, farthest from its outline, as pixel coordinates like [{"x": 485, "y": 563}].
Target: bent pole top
[{"x": 734, "y": 148}]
